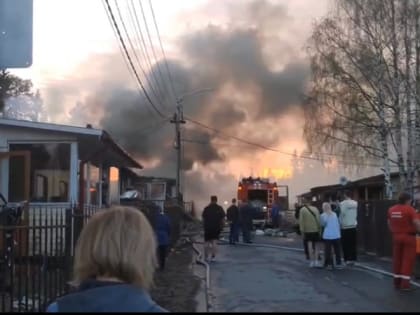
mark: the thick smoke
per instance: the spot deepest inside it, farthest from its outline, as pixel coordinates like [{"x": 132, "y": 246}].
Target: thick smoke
[{"x": 256, "y": 75}]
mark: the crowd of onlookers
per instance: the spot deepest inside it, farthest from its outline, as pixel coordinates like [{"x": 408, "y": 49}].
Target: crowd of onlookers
[{"x": 334, "y": 225}]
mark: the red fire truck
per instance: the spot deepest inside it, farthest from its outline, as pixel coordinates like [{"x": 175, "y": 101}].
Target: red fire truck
[{"x": 261, "y": 194}]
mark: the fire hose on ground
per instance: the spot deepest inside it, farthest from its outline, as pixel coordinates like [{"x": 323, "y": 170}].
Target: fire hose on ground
[
  {"x": 200, "y": 261},
  {"x": 359, "y": 265}
]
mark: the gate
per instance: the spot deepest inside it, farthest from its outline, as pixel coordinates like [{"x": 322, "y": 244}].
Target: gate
[{"x": 374, "y": 236}]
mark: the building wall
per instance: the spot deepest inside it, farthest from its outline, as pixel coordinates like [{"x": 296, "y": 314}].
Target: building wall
[{"x": 10, "y": 135}]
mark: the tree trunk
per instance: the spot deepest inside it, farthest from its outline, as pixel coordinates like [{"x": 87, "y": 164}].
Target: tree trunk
[
  {"x": 416, "y": 13},
  {"x": 396, "y": 100},
  {"x": 408, "y": 96}
]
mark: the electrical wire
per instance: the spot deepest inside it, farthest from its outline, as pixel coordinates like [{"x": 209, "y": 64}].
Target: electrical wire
[
  {"x": 272, "y": 149},
  {"x": 130, "y": 71},
  {"x": 131, "y": 61},
  {"x": 153, "y": 49},
  {"x": 135, "y": 46},
  {"x": 132, "y": 46},
  {"x": 143, "y": 47},
  {"x": 163, "y": 50}
]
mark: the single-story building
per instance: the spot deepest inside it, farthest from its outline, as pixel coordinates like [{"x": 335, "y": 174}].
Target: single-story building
[
  {"x": 46, "y": 163},
  {"x": 364, "y": 189},
  {"x": 158, "y": 190}
]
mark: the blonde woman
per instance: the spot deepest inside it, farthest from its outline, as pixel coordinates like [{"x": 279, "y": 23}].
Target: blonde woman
[
  {"x": 331, "y": 236},
  {"x": 114, "y": 265}
]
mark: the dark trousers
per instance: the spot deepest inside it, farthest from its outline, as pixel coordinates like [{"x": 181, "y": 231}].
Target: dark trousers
[
  {"x": 329, "y": 245},
  {"x": 162, "y": 252},
  {"x": 276, "y": 221},
  {"x": 246, "y": 233},
  {"x": 349, "y": 244},
  {"x": 234, "y": 233},
  {"x": 306, "y": 248}
]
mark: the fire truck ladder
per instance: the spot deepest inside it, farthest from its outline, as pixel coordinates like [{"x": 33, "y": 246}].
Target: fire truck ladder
[{"x": 270, "y": 197}]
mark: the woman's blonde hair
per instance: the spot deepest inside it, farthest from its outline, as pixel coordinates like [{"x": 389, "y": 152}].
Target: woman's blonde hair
[{"x": 117, "y": 243}]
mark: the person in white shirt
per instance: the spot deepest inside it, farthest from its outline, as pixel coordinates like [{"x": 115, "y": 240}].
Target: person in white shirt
[
  {"x": 331, "y": 236},
  {"x": 348, "y": 222}
]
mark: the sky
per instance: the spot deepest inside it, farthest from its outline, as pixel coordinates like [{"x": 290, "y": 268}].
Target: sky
[{"x": 252, "y": 53}]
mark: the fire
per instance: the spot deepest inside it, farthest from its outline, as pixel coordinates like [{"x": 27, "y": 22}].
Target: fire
[{"x": 277, "y": 173}]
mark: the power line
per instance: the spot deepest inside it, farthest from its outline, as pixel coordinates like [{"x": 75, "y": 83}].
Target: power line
[
  {"x": 154, "y": 127},
  {"x": 130, "y": 60},
  {"x": 162, "y": 49},
  {"x": 141, "y": 40},
  {"x": 134, "y": 48},
  {"x": 269, "y": 148},
  {"x": 130, "y": 71},
  {"x": 153, "y": 49}
]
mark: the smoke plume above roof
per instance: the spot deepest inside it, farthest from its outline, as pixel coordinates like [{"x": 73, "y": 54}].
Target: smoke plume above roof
[{"x": 253, "y": 65}]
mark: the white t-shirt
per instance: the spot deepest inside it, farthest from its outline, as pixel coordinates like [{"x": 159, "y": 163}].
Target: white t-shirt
[
  {"x": 331, "y": 226},
  {"x": 348, "y": 214}
]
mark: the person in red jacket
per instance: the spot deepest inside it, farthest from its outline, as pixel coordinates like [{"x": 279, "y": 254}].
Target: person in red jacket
[{"x": 403, "y": 223}]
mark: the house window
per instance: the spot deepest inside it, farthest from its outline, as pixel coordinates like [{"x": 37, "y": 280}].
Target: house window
[{"x": 49, "y": 173}]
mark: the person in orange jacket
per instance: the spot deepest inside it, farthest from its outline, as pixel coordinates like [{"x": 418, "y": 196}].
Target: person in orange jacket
[{"x": 403, "y": 223}]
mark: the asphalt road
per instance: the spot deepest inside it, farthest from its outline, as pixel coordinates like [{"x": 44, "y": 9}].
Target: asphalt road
[{"x": 245, "y": 279}]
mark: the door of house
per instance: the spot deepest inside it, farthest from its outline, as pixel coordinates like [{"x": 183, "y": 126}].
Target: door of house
[{"x": 20, "y": 234}]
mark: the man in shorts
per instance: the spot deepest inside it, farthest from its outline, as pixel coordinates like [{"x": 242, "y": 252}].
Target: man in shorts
[
  {"x": 213, "y": 220},
  {"x": 310, "y": 226}
]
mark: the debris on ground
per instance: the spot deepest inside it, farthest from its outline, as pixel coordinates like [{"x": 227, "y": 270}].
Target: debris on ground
[
  {"x": 259, "y": 232},
  {"x": 275, "y": 233},
  {"x": 176, "y": 287}
]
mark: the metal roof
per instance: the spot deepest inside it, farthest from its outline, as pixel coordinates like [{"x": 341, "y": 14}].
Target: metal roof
[{"x": 95, "y": 145}]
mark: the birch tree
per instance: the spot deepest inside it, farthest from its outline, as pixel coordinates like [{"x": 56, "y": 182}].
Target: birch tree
[{"x": 363, "y": 99}]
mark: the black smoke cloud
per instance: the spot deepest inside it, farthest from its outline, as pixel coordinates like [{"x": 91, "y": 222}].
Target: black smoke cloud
[
  {"x": 236, "y": 57},
  {"x": 255, "y": 81}
]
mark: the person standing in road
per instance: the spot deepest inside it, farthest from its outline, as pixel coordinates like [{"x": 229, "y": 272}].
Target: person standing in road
[
  {"x": 403, "y": 223},
  {"x": 348, "y": 222},
  {"x": 299, "y": 232},
  {"x": 232, "y": 215},
  {"x": 310, "y": 227},
  {"x": 213, "y": 221},
  {"x": 275, "y": 214},
  {"x": 331, "y": 236},
  {"x": 245, "y": 218},
  {"x": 163, "y": 232}
]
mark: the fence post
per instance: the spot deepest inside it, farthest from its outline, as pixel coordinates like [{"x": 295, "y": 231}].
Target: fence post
[
  {"x": 68, "y": 247},
  {"x": 77, "y": 227}
]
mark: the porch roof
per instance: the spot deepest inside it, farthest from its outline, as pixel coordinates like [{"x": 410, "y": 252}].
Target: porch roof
[{"x": 95, "y": 145}]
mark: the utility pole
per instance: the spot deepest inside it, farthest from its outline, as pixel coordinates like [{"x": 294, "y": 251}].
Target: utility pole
[{"x": 178, "y": 119}]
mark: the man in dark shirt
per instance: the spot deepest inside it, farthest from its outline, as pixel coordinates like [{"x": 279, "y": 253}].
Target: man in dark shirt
[
  {"x": 233, "y": 218},
  {"x": 245, "y": 217},
  {"x": 213, "y": 220}
]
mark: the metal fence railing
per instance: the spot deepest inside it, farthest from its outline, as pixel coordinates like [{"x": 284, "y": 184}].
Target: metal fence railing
[{"x": 36, "y": 256}]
